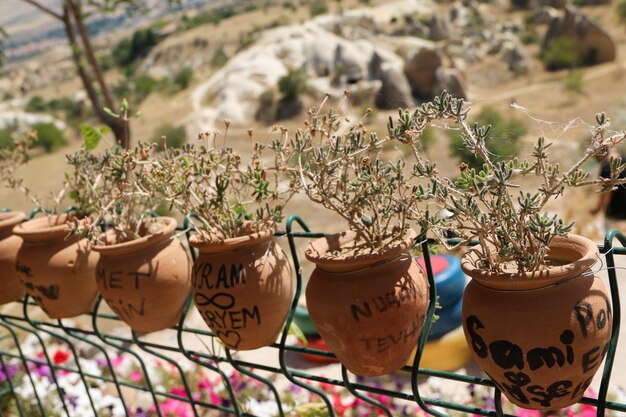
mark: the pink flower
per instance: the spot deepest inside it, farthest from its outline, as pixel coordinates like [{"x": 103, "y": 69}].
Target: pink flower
[
  {"x": 175, "y": 408},
  {"x": 339, "y": 406},
  {"x": 522, "y": 412},
  {"x": 180, "y": 391},
  {"x": 135, "y": 376},
  {"x": 591, "y": 393},
  {"x": 587, "y": 411},
  {"x": 205, "y": 384},
  {"x": 214, "y": 398},
  {"x": 117, "y": 361}
]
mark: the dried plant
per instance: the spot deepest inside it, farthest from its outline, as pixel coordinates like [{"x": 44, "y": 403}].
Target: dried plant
[
  {"x": 512, "y": 227},
  {"x": 342, "y": 166},
  {"x": 108, "y": 186},
  {"x": 11, "y": 158},
  {"x": 14, "y": 157},
  {"x": 218, "y": 189}
]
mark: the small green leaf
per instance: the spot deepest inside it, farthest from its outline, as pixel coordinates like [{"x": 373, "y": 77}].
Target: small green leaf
[
  {"x": 93, "y": 135},
  {"x": 295, "y": 330},
  {"x": 110, "y": 112}
]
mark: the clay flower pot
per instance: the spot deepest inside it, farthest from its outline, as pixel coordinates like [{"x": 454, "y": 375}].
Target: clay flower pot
[
  {"x": 243, "y": 288},
  {"x": 58, "y": 272},
  {"x": 145, "y": 281},
  {"x": 10, "y": 287},
  {"x": 369, "y": 308},
  {"x": 540, "y": 336}
]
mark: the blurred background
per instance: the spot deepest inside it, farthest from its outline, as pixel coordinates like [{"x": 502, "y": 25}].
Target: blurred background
[{"x": 529, "y": 67}]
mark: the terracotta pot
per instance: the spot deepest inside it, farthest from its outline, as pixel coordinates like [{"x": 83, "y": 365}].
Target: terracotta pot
[
  {"x": 243, "y": 288},
  {"x": 145, "y": 281},
  {"x": 540, "y": 336},
  {"x": 10, "y": 287},
  {"x": 369, "y": 308},
  {"x": 58, "y": 273}
]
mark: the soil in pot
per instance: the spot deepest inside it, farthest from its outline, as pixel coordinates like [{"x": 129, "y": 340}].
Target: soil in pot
[
  {"x": 58, "y": 272},
  {"x": 145, "y": 281},
  {"x": 10, "y": 287},
  {"x": 369, "y": 308},
  {"x": 243, "y": 288},
  {"x": 541, "y": 336}
]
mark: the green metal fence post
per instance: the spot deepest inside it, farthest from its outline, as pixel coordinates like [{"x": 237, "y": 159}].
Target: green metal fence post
[
  {"x": 617, "y": 311},
  {"x": 283, "y": 341}
]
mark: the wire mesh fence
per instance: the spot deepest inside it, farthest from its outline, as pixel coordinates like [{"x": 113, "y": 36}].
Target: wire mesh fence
[{"x": 95, "y": 365}]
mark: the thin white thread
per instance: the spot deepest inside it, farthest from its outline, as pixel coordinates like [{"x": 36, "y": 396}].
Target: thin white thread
[{"x": 182, "y": 232}]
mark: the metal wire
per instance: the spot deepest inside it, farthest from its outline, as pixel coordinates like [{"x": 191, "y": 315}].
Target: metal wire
[{"x": 226, "y": 365}]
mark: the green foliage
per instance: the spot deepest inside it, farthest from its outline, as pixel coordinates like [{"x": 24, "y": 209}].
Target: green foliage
[
  {"x": 250, "y": 8},
  {"x": 57, "y": 105},
  {"x": 228, "y": 197},
  {"x": 530, "y": 35},
  {"x": 144, "y": 85},
  {"x": 7, "y": 96},
  {"x": 183, "y": 78},
  {"x": 6, "y": 138},
  {"x": 318, "y": 7},
  {"x": 366, "y": 2},
  {"x": 36, "y": 105},
  {"x": 93, "y": 135},
  {"x": 219, "y": 58},
  {"x": 206, "y": 18},
  {"x": 428, "y": 137},
  {"x": 49, "y": 137},
  {"x": 574, "y": 81},
  {"x": 105, "y": 61},
  {"x": 175, "y": 137},
  {"x": 128, "y": 50},
  {"x": 266, "y": 99},
  {"x": 293, "y": 84},
  {"x": 560, "y": 54},
  {"x": 246, "y": 40},
  {"x": 295, "y": 330},
  {"x": 123, "y": 52},
  {"x": 64, "y": 105},
  {"x": 503, "y": 142},
  {"x": 621, "y": 11}
]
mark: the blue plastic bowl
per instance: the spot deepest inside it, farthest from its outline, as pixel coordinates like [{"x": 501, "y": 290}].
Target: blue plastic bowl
[{"x": 449, "y": 319}]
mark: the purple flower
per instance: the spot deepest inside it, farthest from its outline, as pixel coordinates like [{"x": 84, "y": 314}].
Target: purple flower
[
  {"x": 102, "y": 362},
  {"x": 73, "y": 400},
  {"x": 399, "y": 383},
  {"x": 43, "y": 371},
  {"x": 140, "y": 412},
  {"x": 295, "y": 389},
  {"x": 11, "y": 370},
  {"x": 490, "y": 402}
]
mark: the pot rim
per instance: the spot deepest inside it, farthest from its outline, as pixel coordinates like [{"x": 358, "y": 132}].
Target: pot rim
[
  {"x": 41, "y": 230},
  {"x": 579, "y": 252},
  {"x": 317, "y": 252},
  {"x": 125, "y": 248},
  {"x": 207, "y": 245},
  {"x": 10, "y": 219}
]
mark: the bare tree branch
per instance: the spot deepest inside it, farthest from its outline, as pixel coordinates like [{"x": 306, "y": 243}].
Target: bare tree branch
[
  {"x": 74, "y": 9},
  {"x": 44, "y": 9}
]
